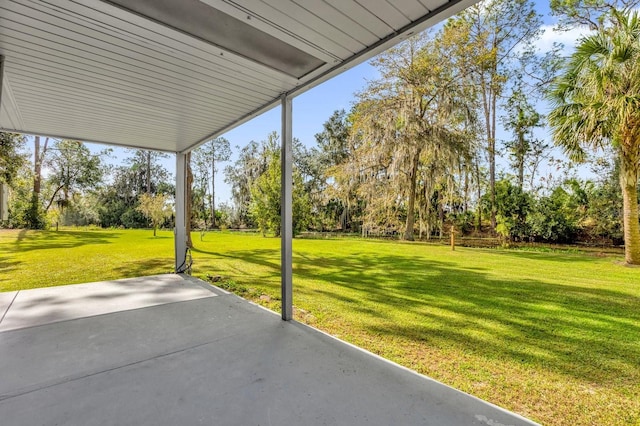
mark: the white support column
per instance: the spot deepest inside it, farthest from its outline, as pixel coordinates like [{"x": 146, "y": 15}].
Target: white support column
[
  {"x": 1, "y": 76},
  {"x": 180, "y": 232},
  {"x": 286, "y": 215}
]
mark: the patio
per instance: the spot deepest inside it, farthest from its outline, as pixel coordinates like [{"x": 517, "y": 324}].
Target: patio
[
  {"x": 172, "y": 350},
  {"x": 169, "y": 76}
]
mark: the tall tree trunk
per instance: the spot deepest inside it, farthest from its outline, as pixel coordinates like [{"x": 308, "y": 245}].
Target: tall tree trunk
[
  {"x": 465, "y": 206},
  {"x": 520, "y": 153},
  {"x": 408, "y": 233},
  {"x": 440, "y": 214},
  {"x": 65, "y": 188},
  {"x": 37, "y": 166},
  {"x": 489, "y": 105},
  {"x": 629, "y": 184},
  {"x": 188, "y": 200},
  {"x": 148, "y": 172},
  {"x": 213, "y": 191},
  {"x": 492, "y": 159},
  {"x": 34, "y": 213},
  {"x": 479, "y": 188},
  {"x": 38, "y": 159},
  {"x": 521, "y": 174},
  {"x": 204, "y": 188}
]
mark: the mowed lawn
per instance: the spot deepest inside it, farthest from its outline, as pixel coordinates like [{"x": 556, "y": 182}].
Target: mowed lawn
[{"x": 552, "y": 336}]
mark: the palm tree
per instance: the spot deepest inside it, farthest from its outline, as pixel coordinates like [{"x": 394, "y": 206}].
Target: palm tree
[{"x": 597, "y": 103}]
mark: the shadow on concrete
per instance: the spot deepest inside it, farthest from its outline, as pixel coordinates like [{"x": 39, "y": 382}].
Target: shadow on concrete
[{"x": 52, "y": 304}]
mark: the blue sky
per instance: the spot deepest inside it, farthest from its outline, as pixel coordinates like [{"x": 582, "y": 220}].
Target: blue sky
[{"x": 312, "y": 108}]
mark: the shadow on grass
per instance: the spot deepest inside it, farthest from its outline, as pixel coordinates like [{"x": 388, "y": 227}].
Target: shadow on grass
[
  {"x": 555, "y": 257},
  {"x": 141, "y": 268},
  {"x": 44, "y": 240},
  {"x": 588, "y": 333},
  {"x": 7, "y": 264}
]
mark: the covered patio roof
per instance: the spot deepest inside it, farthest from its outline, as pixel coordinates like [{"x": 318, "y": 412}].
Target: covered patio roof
[{"x": 171, "y": 74}]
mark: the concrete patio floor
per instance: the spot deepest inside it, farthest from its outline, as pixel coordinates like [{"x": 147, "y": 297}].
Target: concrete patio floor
[{"x": 172, "y": 350}]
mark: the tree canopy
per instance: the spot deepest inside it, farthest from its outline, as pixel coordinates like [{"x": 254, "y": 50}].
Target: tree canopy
[
  {"x": 156, "y": 208},
  {"x": 12, "y": 156}
]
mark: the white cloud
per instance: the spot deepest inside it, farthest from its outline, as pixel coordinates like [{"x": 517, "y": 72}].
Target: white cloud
[{"x": 568, "y": 39}]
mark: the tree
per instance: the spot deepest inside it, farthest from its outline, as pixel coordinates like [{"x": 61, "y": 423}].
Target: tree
[
  {"x": 494, "y": 38},
  {"x": 119, "y": 199},
  {"x": 83, "y": 210},
  {"x": 35, "y": 214},
  {"x": 332, "y": 148},
  {"x": 411, "y": 116},
  {"x": 556, "y": 217},
  {"x": 11, "y": 157},
  {"x": 149, "y": 171},
  {"x": 589, "y": 13},
  {"x": 20, "y": 198},
  {"x": 206, "y": 159},
  {"x": 596, "y": 102},
  {"x": 72, "y": 168},
  {"x": 11, "y": 161},
  {"x": 604, "y": 211},
  {"x": 39, "y": 155},
  {"x": 156, "y": 208},
  {"x": 522, "y": 119},
  {"x": 251, "y": 163},
  {"x": 512, "y": 207},
  {"x": 265, "y": 196},
  {"x": 333, "y": 140}
]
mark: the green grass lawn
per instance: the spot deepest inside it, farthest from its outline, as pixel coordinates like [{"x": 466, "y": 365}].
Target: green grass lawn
[
  {"x": 31, "y": 259},
  {"x": 552, "y": 336}
]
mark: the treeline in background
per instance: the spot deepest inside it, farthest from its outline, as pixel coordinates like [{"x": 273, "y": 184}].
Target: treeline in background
[{"x": 462, "y": 131}]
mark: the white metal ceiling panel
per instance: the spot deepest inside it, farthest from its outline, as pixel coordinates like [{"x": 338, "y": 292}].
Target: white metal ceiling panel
[
  {"x": 11, "y": 113},
  {"x": 411, "y": 8},
  {"x": 337, "y": 22},
  {"x": 171, "y": 74}
]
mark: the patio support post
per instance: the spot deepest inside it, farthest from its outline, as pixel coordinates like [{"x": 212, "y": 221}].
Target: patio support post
[
  {"x": 4, "y": 189},
  {"x": 1, "y": 76},
  {"x": 286, "y": 216},
  {"x": 180, "y": 236}
]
